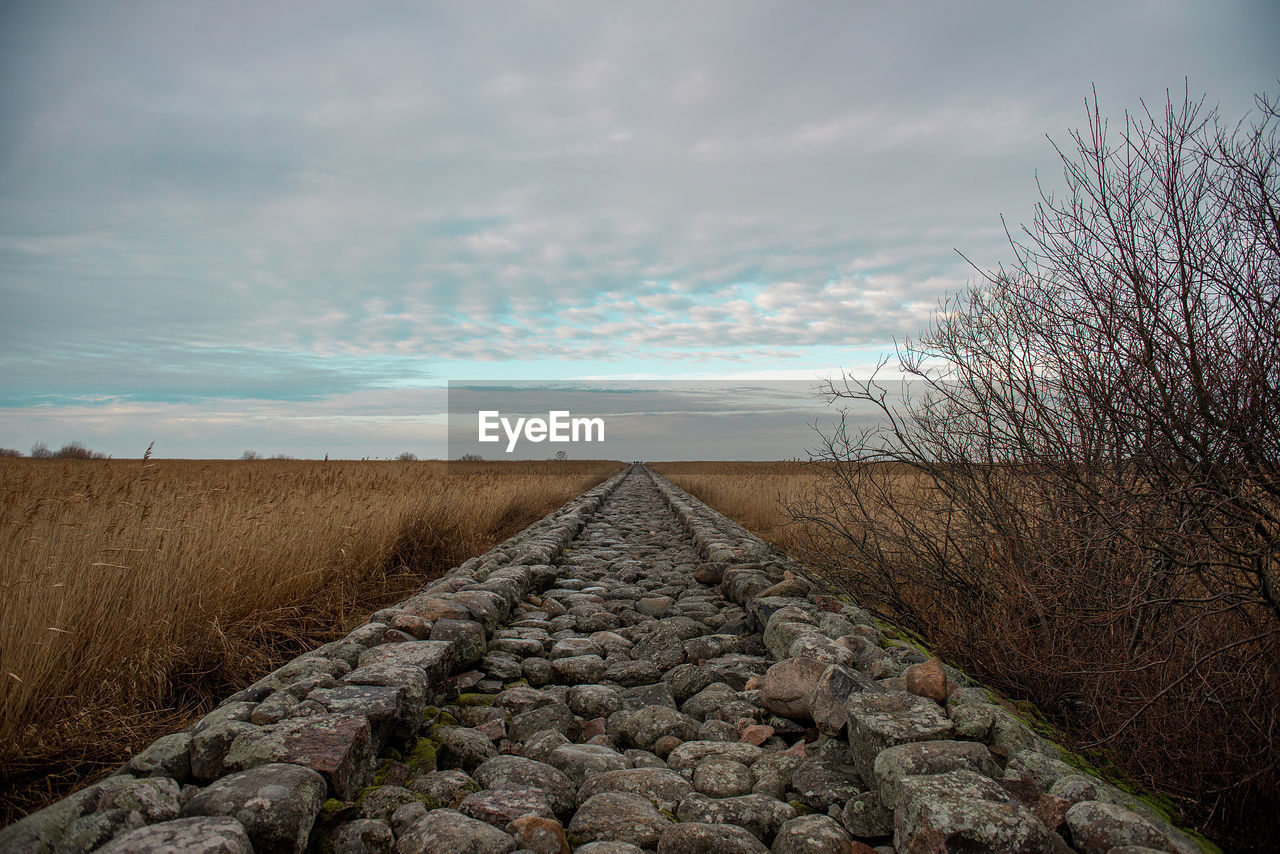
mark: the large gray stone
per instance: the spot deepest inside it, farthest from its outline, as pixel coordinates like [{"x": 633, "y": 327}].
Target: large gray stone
[
  {"x": 392, "y": 713},
  {"x": 618, "y": 817},
  {"x": 832, "y": 692},
  {"x": 594, "y": 701},
  {"x": 442, "y": 788},
  {"x": 660, "y": 644},
  {"x": 581, "y": 761},
  {"x": 663, "y": 787},
  {"x": 708, "y": 700},
  {"x": 877, "y": 721},
  {"x": 1097, "y": 828},
  {"x": 167, "y": 756},
  {"x": 964, "y": 811},
  {"x": 209, "y": 745},
  {"x": 691, "y": 753},
  {"x": 553, "y": 715},
  {"x": 446, "y": 831},
  {"x": 723, "y": 778},
  {"x": 154, "y": 798},
  {"x": 462, "y": 747},
  {"x": 693, "y": 837},
  {"x": 276, "y": 803},
  {"x": 928, "y": 757},
  {"x": 577, "y": 669},
  {"x": 632, "y": 673},
  {"x": 339, "y": 747},
  {"x": 789, "y": 686},
  {"x": 45, "y": 829},
  {"x": 812, "y": 834},
  {"x": 644, "y": 727},
  {"x": 685, "y": 680},
  {"x": 821, "y": 783},
  {"x": 865, "y": 817},
  {"x": 200, "y": 835},
  {"x": 363, "y": 836},
  {"x": 773, "y": 773},
  {"x": 467, "y": 637},
  {"x": 499, "y": 807},
  {"x": 517, "y": 771},
  {"x": 762, "y": 816},
  {"x": 435, "y": 658}
]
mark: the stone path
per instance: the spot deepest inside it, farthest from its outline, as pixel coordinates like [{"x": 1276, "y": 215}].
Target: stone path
[{"x": 634, "y": 672}]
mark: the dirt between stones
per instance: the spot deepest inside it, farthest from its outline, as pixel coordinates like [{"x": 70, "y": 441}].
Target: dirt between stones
[{"x": 633, "y": 672}]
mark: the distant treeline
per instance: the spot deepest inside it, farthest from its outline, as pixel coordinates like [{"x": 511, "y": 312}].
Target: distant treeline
[{"x": 69, "y": 451}]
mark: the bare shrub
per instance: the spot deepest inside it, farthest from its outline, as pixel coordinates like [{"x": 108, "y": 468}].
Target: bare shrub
[
  {"x": 10, "y": 452},
  {"x": 77, "y": 451},
  {"x": 1078, "y": 490}
]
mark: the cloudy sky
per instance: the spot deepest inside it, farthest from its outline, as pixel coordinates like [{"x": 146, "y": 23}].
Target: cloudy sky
[{"x": 285, "y": 226}]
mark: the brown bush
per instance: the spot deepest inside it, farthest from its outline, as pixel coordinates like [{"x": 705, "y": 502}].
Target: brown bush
[{"x": 1078, "y": 490}]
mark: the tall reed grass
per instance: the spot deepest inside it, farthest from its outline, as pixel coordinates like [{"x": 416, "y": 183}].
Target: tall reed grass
[{"x": 134, "y": 594}]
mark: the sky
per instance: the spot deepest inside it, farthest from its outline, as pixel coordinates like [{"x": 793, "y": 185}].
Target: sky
[{"x": 286, "y": 226}]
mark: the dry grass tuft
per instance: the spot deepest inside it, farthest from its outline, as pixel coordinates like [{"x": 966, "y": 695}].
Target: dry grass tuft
[{"x": 137, "y": 593}]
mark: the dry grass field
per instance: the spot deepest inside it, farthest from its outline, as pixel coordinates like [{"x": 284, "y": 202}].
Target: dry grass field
[
  {"x": 754, "y": 494},
  {"x": 137, "y": 593}
]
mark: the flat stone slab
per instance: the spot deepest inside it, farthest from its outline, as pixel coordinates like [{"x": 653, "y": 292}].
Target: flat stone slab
[
  {"x": 877, "y": 721},
  {"x": 199, "y": 835},
  {"x": 339, "y": 747},
  {"x": 435, "y": 658},
  {"x": 276, "y": 804},
  {"x": 446, "y": 831},
  {"x": 964, "y": 811}
]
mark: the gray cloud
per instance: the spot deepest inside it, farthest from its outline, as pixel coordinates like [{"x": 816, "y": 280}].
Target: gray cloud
[{"x": 289, "y": 200}]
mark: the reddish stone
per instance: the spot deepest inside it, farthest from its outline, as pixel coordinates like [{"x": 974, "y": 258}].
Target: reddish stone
[
  {"x": 436, "y": 609},
  {"x": 413, "y": 624},
  {"x": 397, "y": 774},
  {"x": 436, "y": 658},
  {"x": 861, "y": 848},
  {"x": 665, "y": 745},
  {"x": 927, "y": 680},
  {"x": 540, "y": 835},
  {"x": 1051, "y": 810},
  {"x": 499, "y": 807},
  {"x": 797, "y": 749},
  {"x": 789, "y": 684},
  {"x": 340, "y": 747},
  {"x": 756, "y": 734},
  {"x": 495, "y": 729},
  {"x": 828, "y": 603},
  {"x": 1023, "y": 788},
  {"x": 396, "y": 636},
  {"x": 754, "y": 683},
  {"x": 593, "y": 728}
]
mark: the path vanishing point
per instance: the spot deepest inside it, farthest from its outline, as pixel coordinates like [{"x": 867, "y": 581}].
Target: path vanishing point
[{"x": 633, "y": 672}]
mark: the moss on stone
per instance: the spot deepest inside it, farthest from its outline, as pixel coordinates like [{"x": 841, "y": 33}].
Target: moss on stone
[
  {"x": 475, "y": 699},
  {"x": 801, "y": 808},
  {"x": 331, "y": 807},
  {"x": 423, "y": 757}
]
